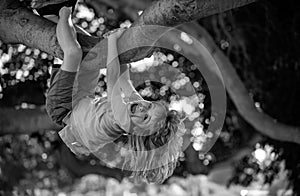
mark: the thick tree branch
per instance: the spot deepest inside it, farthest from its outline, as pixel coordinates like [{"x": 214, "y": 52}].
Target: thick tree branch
[
  {"x": 239, "y": 94},
  {"x": 19, "y": 25},
  {"x": 235, "y": 87}
]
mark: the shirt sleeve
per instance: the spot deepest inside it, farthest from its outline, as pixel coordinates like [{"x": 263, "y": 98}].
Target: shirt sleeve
[
  {"x": 89, "y": 127},
  {"x": 134, "y": 96},
  {"x": 85, "y": 83},
  {"x": 87, "y": 76},
  {"x": 119, "y": 108},
  {"x": 59, "y": 95}
]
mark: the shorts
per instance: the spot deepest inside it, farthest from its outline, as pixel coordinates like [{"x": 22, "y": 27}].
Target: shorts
[{"x": 59, "y": 95}]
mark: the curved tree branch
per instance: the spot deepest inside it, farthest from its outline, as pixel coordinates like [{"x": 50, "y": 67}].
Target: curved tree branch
[{"x": 239, "y": 94}]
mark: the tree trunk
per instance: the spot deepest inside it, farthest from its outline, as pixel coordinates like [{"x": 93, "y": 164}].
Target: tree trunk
[{"x": 24, "y": 121}]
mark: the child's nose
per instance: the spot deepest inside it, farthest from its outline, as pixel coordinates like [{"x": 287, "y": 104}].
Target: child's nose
[{"x": 142, "y": 109}]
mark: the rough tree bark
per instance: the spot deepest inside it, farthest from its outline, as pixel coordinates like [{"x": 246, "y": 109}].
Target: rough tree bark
[{"x": 20, "y": 25}]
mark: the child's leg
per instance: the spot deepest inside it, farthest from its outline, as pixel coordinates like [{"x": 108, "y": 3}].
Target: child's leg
[{"x": 59, "y": 95}]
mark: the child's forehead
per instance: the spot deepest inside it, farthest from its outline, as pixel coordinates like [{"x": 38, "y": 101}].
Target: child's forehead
[
  {"x": 161, "y": 105},
  {"x": 161, "y": 111}
]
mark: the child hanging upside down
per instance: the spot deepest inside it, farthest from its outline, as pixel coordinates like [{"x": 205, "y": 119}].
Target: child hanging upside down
[{"x": 151, "y": 136}]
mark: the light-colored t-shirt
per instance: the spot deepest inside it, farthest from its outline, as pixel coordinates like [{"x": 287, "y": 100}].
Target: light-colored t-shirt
[{"x": 91, "y": 124}]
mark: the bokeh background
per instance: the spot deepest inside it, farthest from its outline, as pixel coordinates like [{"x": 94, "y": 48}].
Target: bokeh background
[{"x": 262, "y": 42}]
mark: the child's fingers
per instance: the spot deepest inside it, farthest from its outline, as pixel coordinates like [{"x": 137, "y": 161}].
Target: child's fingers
[
  {"x": 65, "y": 21},
  {"x": 65, "y": 12},
  {"x": 64, "y": 28}
]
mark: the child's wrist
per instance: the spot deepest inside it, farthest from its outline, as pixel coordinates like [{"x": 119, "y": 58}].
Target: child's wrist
[
  {"x": 73, "y": 57},
  {"x": 112, "y": 39},
  {"x": 73, "y": 53},
  {"x": 71, "y": 62}
]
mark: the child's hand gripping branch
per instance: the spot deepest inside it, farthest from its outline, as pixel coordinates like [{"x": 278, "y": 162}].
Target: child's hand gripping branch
[
  {"x": 59, "y": 95},
  {"x": 67, "y": 40}
]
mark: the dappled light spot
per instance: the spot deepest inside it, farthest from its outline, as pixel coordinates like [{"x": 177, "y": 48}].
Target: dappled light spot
[
  {"x": 197, "y": 146},
  {"x": 177, "y": 47},
  {"x": 198, "y": 131},
  {"x": 184, "y": 37},
  {"x": 84, "y": 12}
]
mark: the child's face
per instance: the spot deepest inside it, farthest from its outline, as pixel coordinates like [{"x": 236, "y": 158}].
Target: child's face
[{"x": 143, "y": 113}]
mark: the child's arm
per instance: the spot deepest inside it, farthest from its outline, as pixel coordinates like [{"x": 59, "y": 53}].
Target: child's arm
[
  {"x": 59, "y": 95},
  {"x": 86, "y": 79},
  {"x": 126, "y": 84},
  {"x": 113, "y": 64},
  {"x": 67, "y": 39},
  {"x": 118, "y": 105}
]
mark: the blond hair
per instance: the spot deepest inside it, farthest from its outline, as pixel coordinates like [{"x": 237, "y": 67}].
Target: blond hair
[{"x": 153, "y": 158}]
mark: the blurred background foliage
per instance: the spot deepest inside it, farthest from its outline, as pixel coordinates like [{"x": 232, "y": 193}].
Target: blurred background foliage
[{"x": 262, "y": 42}]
